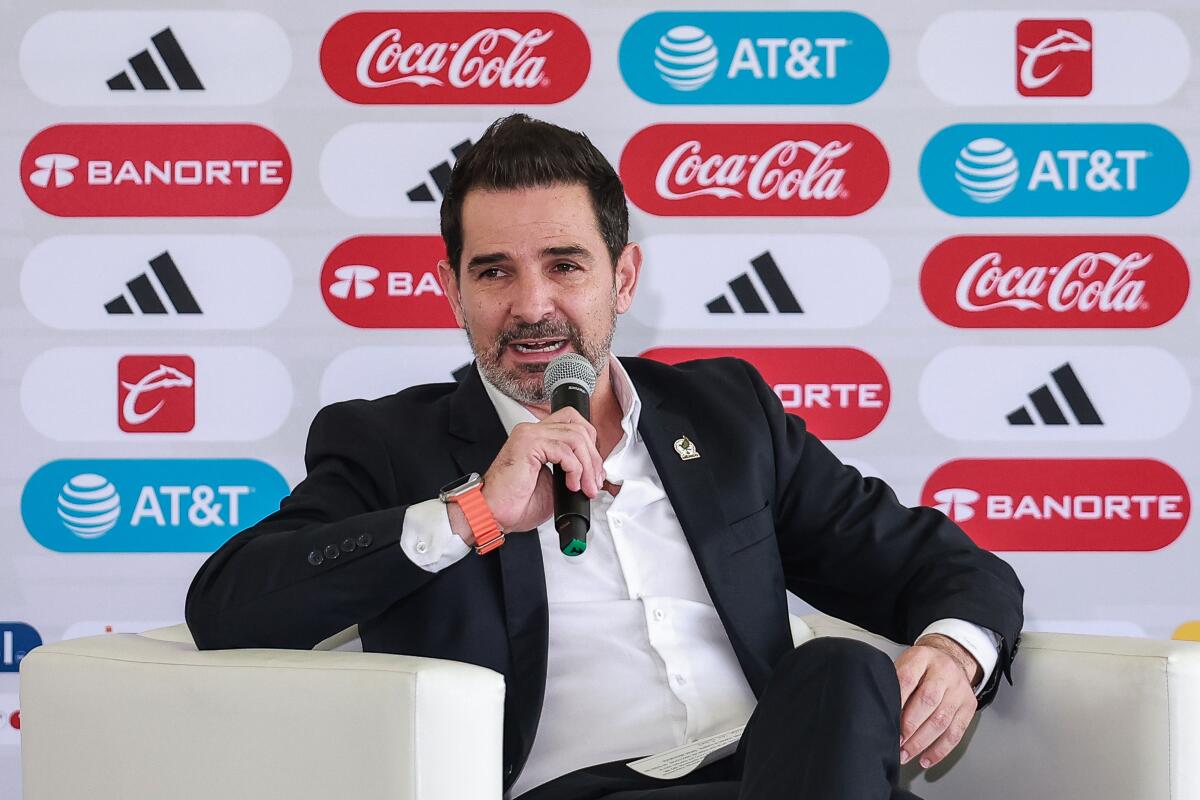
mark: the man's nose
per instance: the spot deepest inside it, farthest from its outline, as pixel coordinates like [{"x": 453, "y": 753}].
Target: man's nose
[{"x": 533, "y": 297}]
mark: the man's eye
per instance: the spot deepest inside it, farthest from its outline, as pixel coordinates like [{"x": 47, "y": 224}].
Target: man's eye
[
  {"x": 566, "y": 266},
  {"x": 491, "y": 272}
]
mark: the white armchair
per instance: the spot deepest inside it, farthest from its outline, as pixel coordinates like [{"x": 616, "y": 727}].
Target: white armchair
[{"x": 146, "y": 715}]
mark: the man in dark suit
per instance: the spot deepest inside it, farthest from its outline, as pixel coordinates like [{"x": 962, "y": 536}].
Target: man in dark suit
[{"x": 708, "y": 501}]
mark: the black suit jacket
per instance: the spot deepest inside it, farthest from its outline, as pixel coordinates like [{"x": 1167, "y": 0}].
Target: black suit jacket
[{"x": 765, "y": 508}]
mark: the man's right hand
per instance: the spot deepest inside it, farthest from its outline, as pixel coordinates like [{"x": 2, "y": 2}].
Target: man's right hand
[{"x": 518, "y": 487}]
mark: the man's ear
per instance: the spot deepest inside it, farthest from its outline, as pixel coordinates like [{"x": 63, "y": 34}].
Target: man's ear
[
  {"x": 628, "y": 269},
  {"x": 451, "y": 289}
]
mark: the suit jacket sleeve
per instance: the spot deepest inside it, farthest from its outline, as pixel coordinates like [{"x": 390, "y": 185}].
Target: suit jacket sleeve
[
  {"x": 262, "y": 587},
  {"x": 852, "y": 550}
]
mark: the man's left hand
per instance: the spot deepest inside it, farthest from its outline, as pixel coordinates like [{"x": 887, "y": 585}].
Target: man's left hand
[{"x": 937, "y": 701}]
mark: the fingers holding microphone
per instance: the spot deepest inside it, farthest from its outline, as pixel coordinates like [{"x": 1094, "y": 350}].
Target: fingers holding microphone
[{"x": 519, "y": 489}]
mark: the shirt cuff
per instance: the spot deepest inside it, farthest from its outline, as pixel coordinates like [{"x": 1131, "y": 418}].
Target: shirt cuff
[
  {"x": 427, "y": 539},
  {"x": 981, "y": 643}
]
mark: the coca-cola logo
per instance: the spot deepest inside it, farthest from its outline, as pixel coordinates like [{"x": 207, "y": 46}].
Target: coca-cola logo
[
  {"x": 1054, "y": 281},
  {"x": 387, "y": 282},
  {"x": 455, "y": 57},
  {"x": 214, "y": 170},
  {"x": 1089, "y": 504},
  {"x": 754, "y": 170},
  {"x": 841, "y": 392}
]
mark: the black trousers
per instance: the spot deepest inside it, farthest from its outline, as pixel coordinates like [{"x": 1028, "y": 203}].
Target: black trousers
[{"x": 827, "y": 727}]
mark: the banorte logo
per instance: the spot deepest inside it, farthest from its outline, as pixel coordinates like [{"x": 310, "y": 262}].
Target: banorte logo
[
  {"x": 1054, "y": 281},
  {"x": 111, "y": 170},
  {"x": 748, "y": 170},
  {"x": 841, "y": 392},
  {"x": 1081, "y": 504},
  {"x": 387, "y": 282},
  {"x": 502, "y": 57}
]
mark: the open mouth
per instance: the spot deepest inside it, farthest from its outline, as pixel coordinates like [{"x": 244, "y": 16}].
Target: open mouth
[{"x": 539, "y": 345}]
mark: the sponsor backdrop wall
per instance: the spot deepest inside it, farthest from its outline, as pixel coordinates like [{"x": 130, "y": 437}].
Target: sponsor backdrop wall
[{"x": 958, "y": 242}]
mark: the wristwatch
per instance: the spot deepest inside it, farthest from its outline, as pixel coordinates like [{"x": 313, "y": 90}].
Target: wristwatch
[{"x": 467, "y": 491}]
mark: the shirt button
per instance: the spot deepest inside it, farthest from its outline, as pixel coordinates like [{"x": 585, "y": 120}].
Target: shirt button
[
  {"x": 348, "y": 545},
  {"x": 421, "y": 547},
  {"x": 659, "y": 614},
  {"x": 616, "y": 521},
  {"x": 331, "y": 551},
  {"x": 315, "y": 558},
  {"x": 679, "y": 679},
  {"x": 364, "y": 540}
]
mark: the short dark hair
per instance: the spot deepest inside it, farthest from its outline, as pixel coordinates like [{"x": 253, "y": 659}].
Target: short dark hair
[{"x": 519, "y": 152}]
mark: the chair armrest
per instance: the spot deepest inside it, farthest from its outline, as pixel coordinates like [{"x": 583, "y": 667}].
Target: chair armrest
[
  {"x": 1096, "y": 717},
  {"x": 122, "y": 716}
]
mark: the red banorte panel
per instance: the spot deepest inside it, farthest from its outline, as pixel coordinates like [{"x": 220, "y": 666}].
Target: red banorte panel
[
  {"x": 135, "y": 170},
  {"x": 841, "y": 392},
  {"x": 1062, "y": 504}
]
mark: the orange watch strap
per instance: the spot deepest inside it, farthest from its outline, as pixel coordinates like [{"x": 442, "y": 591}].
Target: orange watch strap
[{"x": 487, "y": 533}]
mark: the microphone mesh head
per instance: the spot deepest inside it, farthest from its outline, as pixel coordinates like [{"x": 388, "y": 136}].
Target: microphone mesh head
[{"x": 569, "y": 367}]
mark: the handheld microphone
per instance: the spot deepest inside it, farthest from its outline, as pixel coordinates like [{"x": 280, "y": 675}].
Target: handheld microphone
[{"x": 570, "y": 380}]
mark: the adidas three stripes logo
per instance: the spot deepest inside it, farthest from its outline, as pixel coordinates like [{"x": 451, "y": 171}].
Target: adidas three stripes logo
[
  {"x": 149, "y": 298},
  {"x": 440, "y": 174},
  {"x": 747, "y": 295},
  {"x": 1047, "y": 407},
  {"x": 151, "y": 78}
]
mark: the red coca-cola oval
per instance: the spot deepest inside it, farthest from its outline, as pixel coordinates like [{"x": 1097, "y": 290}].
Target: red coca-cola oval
[
  {"x": 209, "y": 170},
  {"x": 1062, "y": 504},
  {"x": 387, "y": 282},
  {"x": 479, "y": 57},
  {"x": 754, "y": 170},
  {"x": 1054, "y": 281},
  {"x": 841, "y": 392}
]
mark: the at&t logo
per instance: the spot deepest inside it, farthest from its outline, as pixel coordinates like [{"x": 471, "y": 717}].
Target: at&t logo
[
  {"x": 754, "y": 57},
  {"x": 89, "y": 505},
  {"x": 1054, "y": 170},
  {"x": 686, "y": 58},
  {"x": 166, "y": 505}
]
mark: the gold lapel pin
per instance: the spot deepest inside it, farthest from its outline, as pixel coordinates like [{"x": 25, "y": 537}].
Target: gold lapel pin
[{"x": 687, "y": 451}]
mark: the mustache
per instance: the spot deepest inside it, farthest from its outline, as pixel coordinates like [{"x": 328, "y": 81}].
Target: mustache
[{"x": 544, "y": 329}]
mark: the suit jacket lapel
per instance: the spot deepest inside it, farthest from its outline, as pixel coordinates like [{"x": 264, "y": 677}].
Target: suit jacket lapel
[
  {"x": 473, "y": 420},
  {"x": 690, "y": 485}
]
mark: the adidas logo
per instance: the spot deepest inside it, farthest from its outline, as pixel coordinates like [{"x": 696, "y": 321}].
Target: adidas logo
[
  {"x": 748, "y": 296},
  {"x": 148, "y": 295},
  {"x": 1048, "y": 407},
  {"x": 147, "y": 69},
  {"x": 440, "y": 174}
]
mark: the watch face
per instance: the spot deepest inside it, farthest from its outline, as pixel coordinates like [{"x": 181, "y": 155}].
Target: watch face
[{"x": 459, "y": 483}]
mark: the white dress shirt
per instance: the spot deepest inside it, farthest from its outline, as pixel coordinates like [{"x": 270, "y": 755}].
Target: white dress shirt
[{"x": 638, "y": 660}]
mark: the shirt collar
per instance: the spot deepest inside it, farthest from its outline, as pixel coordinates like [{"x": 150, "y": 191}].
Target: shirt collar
[{"x": 513, "y": 413}]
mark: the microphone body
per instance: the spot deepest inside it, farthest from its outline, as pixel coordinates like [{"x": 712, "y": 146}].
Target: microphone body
[{"x": 569, "y": 381}]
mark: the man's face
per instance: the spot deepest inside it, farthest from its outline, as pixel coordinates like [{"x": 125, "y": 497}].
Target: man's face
[{"x": 535, "y": 281}]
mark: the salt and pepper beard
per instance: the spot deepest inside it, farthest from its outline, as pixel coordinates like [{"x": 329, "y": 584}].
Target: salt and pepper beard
[{"x": 524, "y": 384}]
